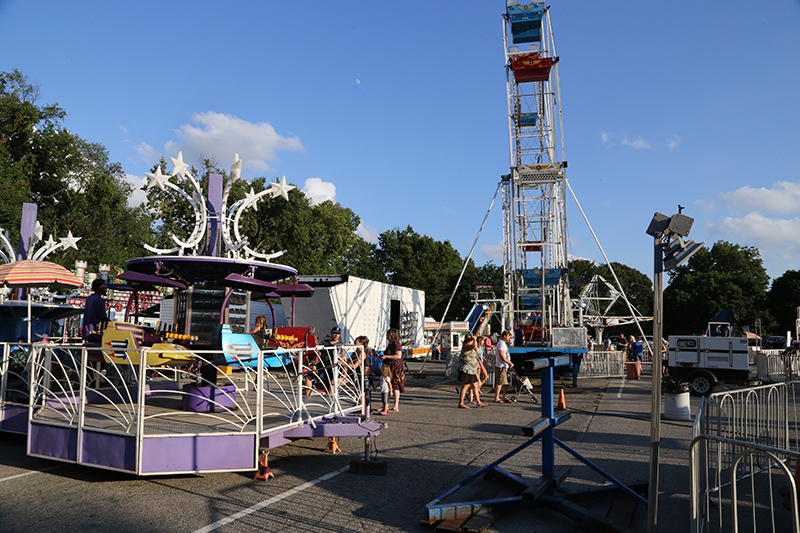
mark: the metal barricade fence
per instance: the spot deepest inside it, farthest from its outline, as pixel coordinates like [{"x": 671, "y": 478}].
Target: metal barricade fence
[
  {"x": 601, "y": 364},
  {"x": 773, "y": 366},
  {"x": 608, "y": 364},
  {"x": 743, "y": 452},
  {"x": 755, "y": 491}
]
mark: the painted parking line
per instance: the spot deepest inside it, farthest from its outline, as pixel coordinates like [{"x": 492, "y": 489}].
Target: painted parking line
[
  {"x": 17, "y": 476},
  {"x": 267, "y": 503},
  {"x": 621, "y": 386}
]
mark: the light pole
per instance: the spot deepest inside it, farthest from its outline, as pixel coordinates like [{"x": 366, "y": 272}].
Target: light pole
[{"x": 669, "y": 250}]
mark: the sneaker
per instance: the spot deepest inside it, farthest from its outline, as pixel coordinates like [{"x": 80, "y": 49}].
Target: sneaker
[{"x": 383, "y": 413}]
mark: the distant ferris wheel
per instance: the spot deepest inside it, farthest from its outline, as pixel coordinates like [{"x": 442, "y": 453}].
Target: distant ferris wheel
[{"x": 534, "y": 201}]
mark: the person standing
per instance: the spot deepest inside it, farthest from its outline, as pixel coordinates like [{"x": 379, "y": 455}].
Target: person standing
[
  {"x": 331, "y": 356},
  {"x": 393, "y": 356},
  {"x": 502, "y": 365},
  {"x": 94, "y": 312},
  {"x": 483, "y": 375},
  {"x": 635, "y": 351},
  {"x": 386, "y": 389},
  {"x": 622, "y": 344},
  {"x": 468, "y": 372},
  {"x": 519, "y": 335},
  {"x": 607, "y": 344}
]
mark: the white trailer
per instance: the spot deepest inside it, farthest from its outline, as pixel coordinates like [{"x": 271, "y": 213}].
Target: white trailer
[
  {"x": 362, "y": 307},
  {"x": 706, "y": 361}
]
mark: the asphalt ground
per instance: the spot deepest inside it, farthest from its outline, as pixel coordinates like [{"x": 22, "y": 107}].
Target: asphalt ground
[{"x": 429, "y": 447}]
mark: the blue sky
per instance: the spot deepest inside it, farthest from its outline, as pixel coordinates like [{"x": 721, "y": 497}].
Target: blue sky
[{"x": 397, "y": 110}]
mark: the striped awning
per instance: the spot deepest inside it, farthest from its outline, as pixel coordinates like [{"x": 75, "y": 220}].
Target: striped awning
[{"x": 32, "y": 273}]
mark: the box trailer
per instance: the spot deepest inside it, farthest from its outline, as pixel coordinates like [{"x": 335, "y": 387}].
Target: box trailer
[
  {"x": 706, "y": 361},
  {"x": 362, "y": 307}
]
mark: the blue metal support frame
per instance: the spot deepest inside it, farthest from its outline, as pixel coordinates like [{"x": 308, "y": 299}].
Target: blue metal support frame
[{"x": 543, "y": 488}]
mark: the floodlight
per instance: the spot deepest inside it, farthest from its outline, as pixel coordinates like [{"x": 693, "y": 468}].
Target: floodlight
[
  {"x": 681, "y": 224},
  {"x": 679, "y": 251},
  {"x": 658, "y": 225}
]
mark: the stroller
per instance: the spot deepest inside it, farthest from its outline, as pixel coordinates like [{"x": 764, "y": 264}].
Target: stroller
[{"x": 521, "y": 386}]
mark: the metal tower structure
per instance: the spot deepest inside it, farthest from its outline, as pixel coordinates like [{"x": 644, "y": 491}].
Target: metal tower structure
[{"x": 534, "y": 201}]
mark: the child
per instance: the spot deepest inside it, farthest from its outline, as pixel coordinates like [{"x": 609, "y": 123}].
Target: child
[
  {"x": 386, "y": 388},
  {"x": 482, "y": 344}
]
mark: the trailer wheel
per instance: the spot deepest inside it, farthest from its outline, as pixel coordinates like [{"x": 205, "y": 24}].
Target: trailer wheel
[{"x": 702, "y": 382}]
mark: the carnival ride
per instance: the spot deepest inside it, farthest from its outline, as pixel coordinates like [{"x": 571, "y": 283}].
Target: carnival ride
[
  {"x": 535, "y": 263},
  {"x": 193, "y": 395}
]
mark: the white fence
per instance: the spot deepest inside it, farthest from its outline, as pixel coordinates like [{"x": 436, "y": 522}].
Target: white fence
[
  {"x": 608, "y": 363},
  {"x": 105, "y": 412},
  {"x": 742, "y": 461},
  {"x": 773, "y": 366}
]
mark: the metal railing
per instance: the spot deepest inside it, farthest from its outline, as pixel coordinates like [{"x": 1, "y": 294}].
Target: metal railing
[
  {"x": 743, "y": 459},
  {"x": 774, "y": 366},
  {"x": 14, "y": 386},
  {"x": 74, "y": 386},
  {"x": 608, "y": 363}
]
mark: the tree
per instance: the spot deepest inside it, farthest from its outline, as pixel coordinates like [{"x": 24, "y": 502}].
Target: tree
[
  {"x": 71, "y": 180},
  {"x": 318, "y": 239},
  {"x": 726, "y": 276},
  {"x": 638, "y": 288},
  {"x": 420, "y": 262},
  {"x": 783, "y": 299}
]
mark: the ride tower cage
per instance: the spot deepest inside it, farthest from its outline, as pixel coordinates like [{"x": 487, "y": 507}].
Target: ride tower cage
[{"x": 534, "y": 199}]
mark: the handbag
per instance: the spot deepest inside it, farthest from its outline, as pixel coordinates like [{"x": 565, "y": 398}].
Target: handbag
[{"x": 399, "y": 377}]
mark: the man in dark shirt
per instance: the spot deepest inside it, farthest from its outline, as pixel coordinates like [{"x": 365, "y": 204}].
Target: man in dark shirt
[{"x": 94, "y": 313}]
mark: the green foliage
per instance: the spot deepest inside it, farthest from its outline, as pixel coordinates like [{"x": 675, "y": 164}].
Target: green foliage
[
  {"x": 70, "y": 179},
  {"x": 726, "y": 276},
  {"x": 638, "y": 287},
  {"x": 318, "y": 239},
  {"x": 783, "y": 299},
  {"x": 420, "y": 262}
]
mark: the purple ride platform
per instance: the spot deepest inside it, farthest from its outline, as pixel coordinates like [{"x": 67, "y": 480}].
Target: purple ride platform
[{"x": 165, "y": 429}]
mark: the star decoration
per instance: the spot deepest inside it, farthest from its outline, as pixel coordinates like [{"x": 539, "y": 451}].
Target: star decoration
[
  {"x": 236, "y": 168},
  {"x": 178, "y": 166},
  {"x": 280, "y": 188},
  {"x": 69, "y": 241},
  {"x": 157, "y": 179},
  {"x": 50, "y": 243},
  {"x": 250, "y": 197}
]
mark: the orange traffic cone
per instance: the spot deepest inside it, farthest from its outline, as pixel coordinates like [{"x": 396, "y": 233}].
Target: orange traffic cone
[
  {"x": 562, "y": 401},
  {"x": 263, "y": 469}
]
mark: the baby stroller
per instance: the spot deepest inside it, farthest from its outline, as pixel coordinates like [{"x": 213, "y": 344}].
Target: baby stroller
[{"x": 522, "y": 387}]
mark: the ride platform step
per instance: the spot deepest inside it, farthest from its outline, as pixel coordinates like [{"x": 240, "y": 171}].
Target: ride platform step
[{"x": 473, "y": 524}]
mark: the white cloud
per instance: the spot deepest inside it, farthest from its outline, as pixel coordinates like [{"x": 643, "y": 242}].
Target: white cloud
[
  {"x": 611, "y": 139},
  {"x": 367, "y": 232},
  {"x": 492, "y": 251},
  {"x": 782, "y": 199},
  {"x": 221, "y": 136},
  {"x": 777, "y": 239},
  {"x": 572, "y": 257},
  {"x": 319, "y": 191},
  {"x": 768, "y": 233},
  {"x": 673, "y": 142},
  {"x": 637, "y": 143},
  {"x": 147, "y": 153},
  {"x": 138, "y": 196}
]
